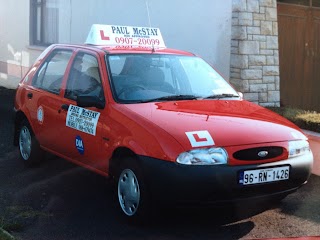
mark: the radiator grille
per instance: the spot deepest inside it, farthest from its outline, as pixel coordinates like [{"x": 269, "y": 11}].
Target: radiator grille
[{"x": 260, "y": 153}]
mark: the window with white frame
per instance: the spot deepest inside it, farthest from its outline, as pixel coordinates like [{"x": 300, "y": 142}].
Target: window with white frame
[{"x": 44, "y": 22}]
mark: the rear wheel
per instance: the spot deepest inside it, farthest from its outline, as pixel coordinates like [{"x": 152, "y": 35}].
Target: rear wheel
[
  {"x": 30, "y": 151},
  {"x": 132, "y": 193}
]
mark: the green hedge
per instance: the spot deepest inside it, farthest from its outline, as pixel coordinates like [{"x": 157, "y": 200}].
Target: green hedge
[{"x": 309, "y": 120}]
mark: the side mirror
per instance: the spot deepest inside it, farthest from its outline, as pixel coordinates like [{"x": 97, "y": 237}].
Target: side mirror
[{"x": 90, "y": 101}]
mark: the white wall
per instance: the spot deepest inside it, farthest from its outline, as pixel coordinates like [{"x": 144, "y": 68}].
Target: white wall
[
  {"x": 199, "y": 26},
  {"x": 14, "y": 30}
]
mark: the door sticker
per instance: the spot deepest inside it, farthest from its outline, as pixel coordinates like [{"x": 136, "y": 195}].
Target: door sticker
[
  {"x": 200, "y": 138},
  {"x": 79, "y": 145},
  {"x": 82, "y": 119},
  {"x": 40, "y": 114}
]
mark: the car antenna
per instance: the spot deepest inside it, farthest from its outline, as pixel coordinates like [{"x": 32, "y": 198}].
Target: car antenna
[{"x": 149, "y": 19}]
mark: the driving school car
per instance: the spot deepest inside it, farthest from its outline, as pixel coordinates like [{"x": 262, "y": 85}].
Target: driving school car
[{"x": 161, "y": 122}]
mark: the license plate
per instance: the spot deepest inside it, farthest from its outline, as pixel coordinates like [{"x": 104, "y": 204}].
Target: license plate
[{"x": 264, "y": 175}]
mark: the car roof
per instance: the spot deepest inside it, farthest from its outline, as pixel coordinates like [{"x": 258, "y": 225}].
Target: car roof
[{"x": 125, "y": 50}]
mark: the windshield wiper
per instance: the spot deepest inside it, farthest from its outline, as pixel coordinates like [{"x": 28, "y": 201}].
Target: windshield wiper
[
  {"x": 223, "y": 95},
  {"x": 171, "y": 98}
]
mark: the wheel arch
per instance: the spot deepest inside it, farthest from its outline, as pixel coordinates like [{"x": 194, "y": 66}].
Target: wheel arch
[
  {"x": 19, "y": 117},
  {"x": 118, "y": 156}
]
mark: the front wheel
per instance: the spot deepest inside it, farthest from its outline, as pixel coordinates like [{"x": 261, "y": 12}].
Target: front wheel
[
  {"x": 30, "y": 151},
  {"x": 132, "y": 193}
]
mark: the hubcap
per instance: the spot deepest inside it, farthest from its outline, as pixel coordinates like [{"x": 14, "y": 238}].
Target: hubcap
[
  {"x": 128, "y": 192},
  {"x": 25, "y": 143}
]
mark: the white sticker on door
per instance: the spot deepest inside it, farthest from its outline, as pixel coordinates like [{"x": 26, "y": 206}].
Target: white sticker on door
[
  {"x": 200, "y": 138},
  {"x": 82, "y": 119}
]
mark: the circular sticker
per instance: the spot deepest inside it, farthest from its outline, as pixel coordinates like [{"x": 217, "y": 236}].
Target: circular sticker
[
  {"x": 40, "y": 115},
  {"x": 79, "y": 145}
]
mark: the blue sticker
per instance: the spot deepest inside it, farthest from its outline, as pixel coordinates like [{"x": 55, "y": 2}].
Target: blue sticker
[{"x": 80, "y": 145}]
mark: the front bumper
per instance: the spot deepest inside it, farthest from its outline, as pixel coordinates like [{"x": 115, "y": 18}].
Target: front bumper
[{"x": 174, "y": 183}]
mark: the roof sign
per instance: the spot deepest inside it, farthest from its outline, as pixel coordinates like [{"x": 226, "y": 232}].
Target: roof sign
[{"x": 110, "y": 35}]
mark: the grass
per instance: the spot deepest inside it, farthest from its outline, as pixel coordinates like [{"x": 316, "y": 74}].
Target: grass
[
  {"x": 309, "y": 120},
  {"x": 4, "y": 235},
  {"x": 14, "y": 219}
]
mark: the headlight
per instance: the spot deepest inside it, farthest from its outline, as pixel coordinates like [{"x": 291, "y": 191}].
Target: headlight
[
  {"x": 203, "y": 156},
  {"x": 297, "y": 148}
]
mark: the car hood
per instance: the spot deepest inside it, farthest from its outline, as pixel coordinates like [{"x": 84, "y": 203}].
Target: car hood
[{"x": 228, "y": 123}]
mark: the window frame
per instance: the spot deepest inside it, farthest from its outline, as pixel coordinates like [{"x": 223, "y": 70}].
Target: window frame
[
  {"x": 310, "y": 4},
  {"x": 36, "y": 26}
]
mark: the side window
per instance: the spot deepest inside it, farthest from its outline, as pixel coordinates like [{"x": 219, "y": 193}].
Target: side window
[
  {"x": 49, "y": 76},
  {"x": 84, "y": 77}
]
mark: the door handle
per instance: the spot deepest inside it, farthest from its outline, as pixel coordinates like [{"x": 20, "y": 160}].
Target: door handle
[
  {"x": 65, "y": 107},
  {"x": 29, "y": 95}
]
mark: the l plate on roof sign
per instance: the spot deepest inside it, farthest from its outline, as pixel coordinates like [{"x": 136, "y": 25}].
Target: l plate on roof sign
[{"x": 111, "y": 35}]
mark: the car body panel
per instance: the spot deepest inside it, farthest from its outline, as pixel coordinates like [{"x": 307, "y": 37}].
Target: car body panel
[{"x": 243, "y": 123}]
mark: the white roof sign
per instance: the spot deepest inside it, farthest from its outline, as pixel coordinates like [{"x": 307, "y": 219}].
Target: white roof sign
[{"x": 110, "y": 35}]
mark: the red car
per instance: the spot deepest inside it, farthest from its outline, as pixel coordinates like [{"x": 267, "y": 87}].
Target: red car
[{"x": 163, "y": 123}]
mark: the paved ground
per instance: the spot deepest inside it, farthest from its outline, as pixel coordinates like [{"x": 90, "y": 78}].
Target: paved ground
[
  {"x": 314, "y": 139},
  {"x": 6, "y": 107},
  {"x": 8, "y": 81},
  {"x": 58, "y": 200}
]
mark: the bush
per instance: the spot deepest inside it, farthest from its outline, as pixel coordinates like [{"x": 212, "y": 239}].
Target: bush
[{"x": 309, "y": 120}]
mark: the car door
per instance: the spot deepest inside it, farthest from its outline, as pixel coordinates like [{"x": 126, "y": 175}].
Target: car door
[
  {"x": 44, "y": 99},
  {"x": 82, "y": 136}
]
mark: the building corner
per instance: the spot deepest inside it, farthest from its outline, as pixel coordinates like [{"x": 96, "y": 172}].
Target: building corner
[{"x": 254, "y": 67}]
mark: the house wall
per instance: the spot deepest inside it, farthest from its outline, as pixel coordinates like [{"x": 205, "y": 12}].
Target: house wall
[
  {"x": 199, "y": 26},
  {"x": 14, "y": 36},
  {"x": 255, "y": 51}
]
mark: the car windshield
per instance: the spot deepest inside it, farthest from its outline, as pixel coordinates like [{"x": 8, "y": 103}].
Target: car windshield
[{"x": 137, "y": 78}]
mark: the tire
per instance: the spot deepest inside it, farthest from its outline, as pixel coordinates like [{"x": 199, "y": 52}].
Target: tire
[
  {"x": 134, "y": 199},
  {"x": 29, "y": 148}
]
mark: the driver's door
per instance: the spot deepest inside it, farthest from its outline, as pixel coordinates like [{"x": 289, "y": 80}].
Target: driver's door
[{"x": 83, "y": 128}]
